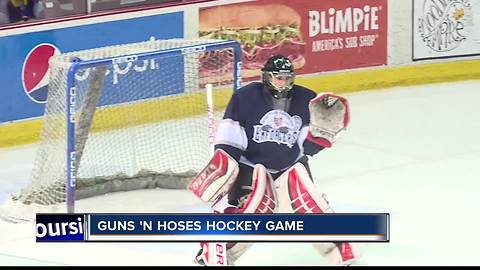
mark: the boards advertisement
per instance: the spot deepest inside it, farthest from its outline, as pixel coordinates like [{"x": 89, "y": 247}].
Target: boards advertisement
[
  {"x": 317, "y": 36},
  {"x": 24, "y": 80}
]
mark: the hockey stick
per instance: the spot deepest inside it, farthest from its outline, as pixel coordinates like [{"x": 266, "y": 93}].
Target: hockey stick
[
  {"x": 216, "y": 252},
  {"x": 211, "y": 118}
]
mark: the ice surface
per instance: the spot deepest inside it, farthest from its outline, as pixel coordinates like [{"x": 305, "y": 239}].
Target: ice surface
[{"x": 413, "y": 152}]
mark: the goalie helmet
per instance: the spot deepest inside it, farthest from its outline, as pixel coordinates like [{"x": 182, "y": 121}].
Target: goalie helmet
[{"x": 278, "y": 76}]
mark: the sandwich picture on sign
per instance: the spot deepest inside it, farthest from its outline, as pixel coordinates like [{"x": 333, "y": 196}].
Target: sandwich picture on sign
[{"x": 262, "y": 30}]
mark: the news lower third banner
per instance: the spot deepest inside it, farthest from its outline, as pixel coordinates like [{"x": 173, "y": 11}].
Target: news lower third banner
[{"x": 213, "y": 227}]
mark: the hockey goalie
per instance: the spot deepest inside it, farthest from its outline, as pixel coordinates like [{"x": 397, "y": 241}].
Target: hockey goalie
[{"x": 261, "y": 159}]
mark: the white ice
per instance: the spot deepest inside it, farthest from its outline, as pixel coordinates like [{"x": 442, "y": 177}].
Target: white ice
[{"x": 413, "y": 152}]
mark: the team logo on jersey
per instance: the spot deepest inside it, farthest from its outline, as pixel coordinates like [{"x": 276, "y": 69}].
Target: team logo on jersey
[
  {"x": 35, "y": 71},
  {"x": 278, "y": 126}
]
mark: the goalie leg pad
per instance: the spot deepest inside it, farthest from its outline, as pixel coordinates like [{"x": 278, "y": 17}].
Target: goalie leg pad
[
  {"x": 235, "y": 250},
  {"x": 338, "y": 253},
  {"x": 297, "y": 193},
  {"x": 212, "y": 254},
  {"x": 216, "y": 178},
  {"x": 262, "y": 199},
  {"x": 216, "y": 254}
]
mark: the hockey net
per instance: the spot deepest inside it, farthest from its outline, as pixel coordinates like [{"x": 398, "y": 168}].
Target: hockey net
[{"x": 139, "y": 122}]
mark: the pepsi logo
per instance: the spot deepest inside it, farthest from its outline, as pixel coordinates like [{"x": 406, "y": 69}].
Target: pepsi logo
[{"x": 35, "y": 71}]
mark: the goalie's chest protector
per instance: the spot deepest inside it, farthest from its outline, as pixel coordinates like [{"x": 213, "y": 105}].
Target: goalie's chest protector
[{"x": 271, "y": 137}]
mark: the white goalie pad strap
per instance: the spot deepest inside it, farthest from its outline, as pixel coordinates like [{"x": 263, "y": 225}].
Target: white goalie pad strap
[
  {"x": 297, "y": 193},
  {"x": 216, "y": 178},
  {"x": 329, "y": 114},
  {"x": 262, "y": 199}
]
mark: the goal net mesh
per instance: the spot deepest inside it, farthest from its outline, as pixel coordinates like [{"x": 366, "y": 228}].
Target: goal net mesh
[{"x": 138, "y": 123}]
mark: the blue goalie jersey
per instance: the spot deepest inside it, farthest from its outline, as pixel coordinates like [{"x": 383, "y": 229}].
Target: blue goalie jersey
[{"x": 252, "y": 131}]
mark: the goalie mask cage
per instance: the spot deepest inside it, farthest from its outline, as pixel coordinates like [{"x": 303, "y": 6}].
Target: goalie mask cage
[{"x": 128, "y": 117}]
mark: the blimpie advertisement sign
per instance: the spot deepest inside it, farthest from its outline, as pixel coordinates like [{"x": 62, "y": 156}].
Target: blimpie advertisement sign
[{"x": 317, "y": 36}]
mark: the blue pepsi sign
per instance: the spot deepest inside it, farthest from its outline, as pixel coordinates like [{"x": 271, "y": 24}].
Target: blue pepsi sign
[
  {"x": 24, "y": 57},
  {"x": 35, "y": 71}
]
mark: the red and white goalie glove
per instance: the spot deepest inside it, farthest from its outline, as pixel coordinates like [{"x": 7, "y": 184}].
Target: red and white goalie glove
[
  {"x": 329, "y": 115},
  {"x": 216, "y": 178}
]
